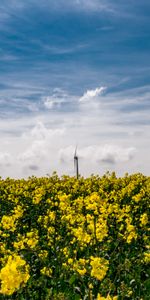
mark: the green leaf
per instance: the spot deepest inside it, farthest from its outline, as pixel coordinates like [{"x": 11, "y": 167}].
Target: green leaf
[
  {"x": 77, "y": 297},
  {"x": 72, "y": 279}
]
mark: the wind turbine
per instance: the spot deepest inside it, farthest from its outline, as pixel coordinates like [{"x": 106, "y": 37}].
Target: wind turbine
[{"x": 76, "y": 163}]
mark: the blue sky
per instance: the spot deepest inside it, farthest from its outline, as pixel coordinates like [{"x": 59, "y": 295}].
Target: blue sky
[{"x": 73, "y": 73}]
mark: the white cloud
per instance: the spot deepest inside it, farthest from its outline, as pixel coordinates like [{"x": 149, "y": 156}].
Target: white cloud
[
  {"x": 51, "y": 102},
  {"x": 41, "y": 132},
  {"x": 107, "y": 154},
  {"x": 41, "y": 143},
  {"x": 56, "y": 100},
  {"x": 114, "y": 154},
  {"x": 92, "y": 94},
  {"x": 66, "y": 154},
  {"x": 5, "y": 159},
  {"x": 35, "y": 152}
]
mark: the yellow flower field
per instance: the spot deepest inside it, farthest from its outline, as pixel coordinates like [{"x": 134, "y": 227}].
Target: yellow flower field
[{"x": 63, "y": 238}]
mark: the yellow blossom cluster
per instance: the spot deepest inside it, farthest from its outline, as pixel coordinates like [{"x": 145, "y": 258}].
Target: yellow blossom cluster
[
  {"x": 147, "y": 257},
  {"x": 13, "y": 275},
  {"x": 47, "y": 271},
  {"x": 144, "y": 219},
  {"x": 38, "y": 195},
  {"x": 99, "y": 267},
  {"x": 108, "y": 297},
  {"x": 9, "y": 222},
  {"x": 30, "y": 239},
  {"x": 130, "y": 233}
]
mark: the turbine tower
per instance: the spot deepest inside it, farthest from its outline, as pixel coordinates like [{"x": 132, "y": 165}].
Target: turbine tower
[{"x": 76, "y": 163}]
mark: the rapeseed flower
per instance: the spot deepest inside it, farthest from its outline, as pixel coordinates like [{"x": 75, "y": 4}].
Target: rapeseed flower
[
  {"x": 144, "y": 219},
  {"x": 147, "y": 257},
  {"x": 47, "y": 271},
  {"x": 99, "y": 267},
  {"x": 13, "y": 275},
  {"x": 108, "y": 297}
]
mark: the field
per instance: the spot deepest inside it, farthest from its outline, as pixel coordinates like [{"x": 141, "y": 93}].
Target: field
[{"x": 63, "y": 238}]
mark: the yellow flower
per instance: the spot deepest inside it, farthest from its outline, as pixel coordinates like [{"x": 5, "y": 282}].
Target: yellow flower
[
  {"x": 82, "y": 236},
  {"x": 8, "y": 223},
  {"x": 39, "y": 193},
  {"x": 30, "y": 240},
  {"x": 130, "y": 232},
  {"x": 81, "y": 271},
  {"x": 80, "y": 266},
  {"x": 108, "y": 297},
  {"x": 13, "y": 274},
  {"x": 70, "y": 261},
  {"x": 99, "y": 267},
  {"x": 144, "y": 219},
  {"x": 147, "y": 257},
  {"x": 47, "y": 271},
  {"x": 43, "y": 254}
]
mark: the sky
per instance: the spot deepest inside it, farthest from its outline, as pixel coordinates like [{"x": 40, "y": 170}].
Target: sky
[{"x": 74, "y": 73}]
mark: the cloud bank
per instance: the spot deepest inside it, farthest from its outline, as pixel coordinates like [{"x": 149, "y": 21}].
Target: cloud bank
[
  {"x": 109, "y": 154},
  {"x": 45, "y": 141}
]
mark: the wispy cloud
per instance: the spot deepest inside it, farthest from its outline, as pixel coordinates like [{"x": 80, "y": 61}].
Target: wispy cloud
[
  {"x": 57, "y": 100},
  {"x": 13, "y": 8},
  {"x": 72, "y": 4},
  {"x": 92, "y": 94},
  {"x": 94, "y": 5},
  {"x": 86, "y": 5}
]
